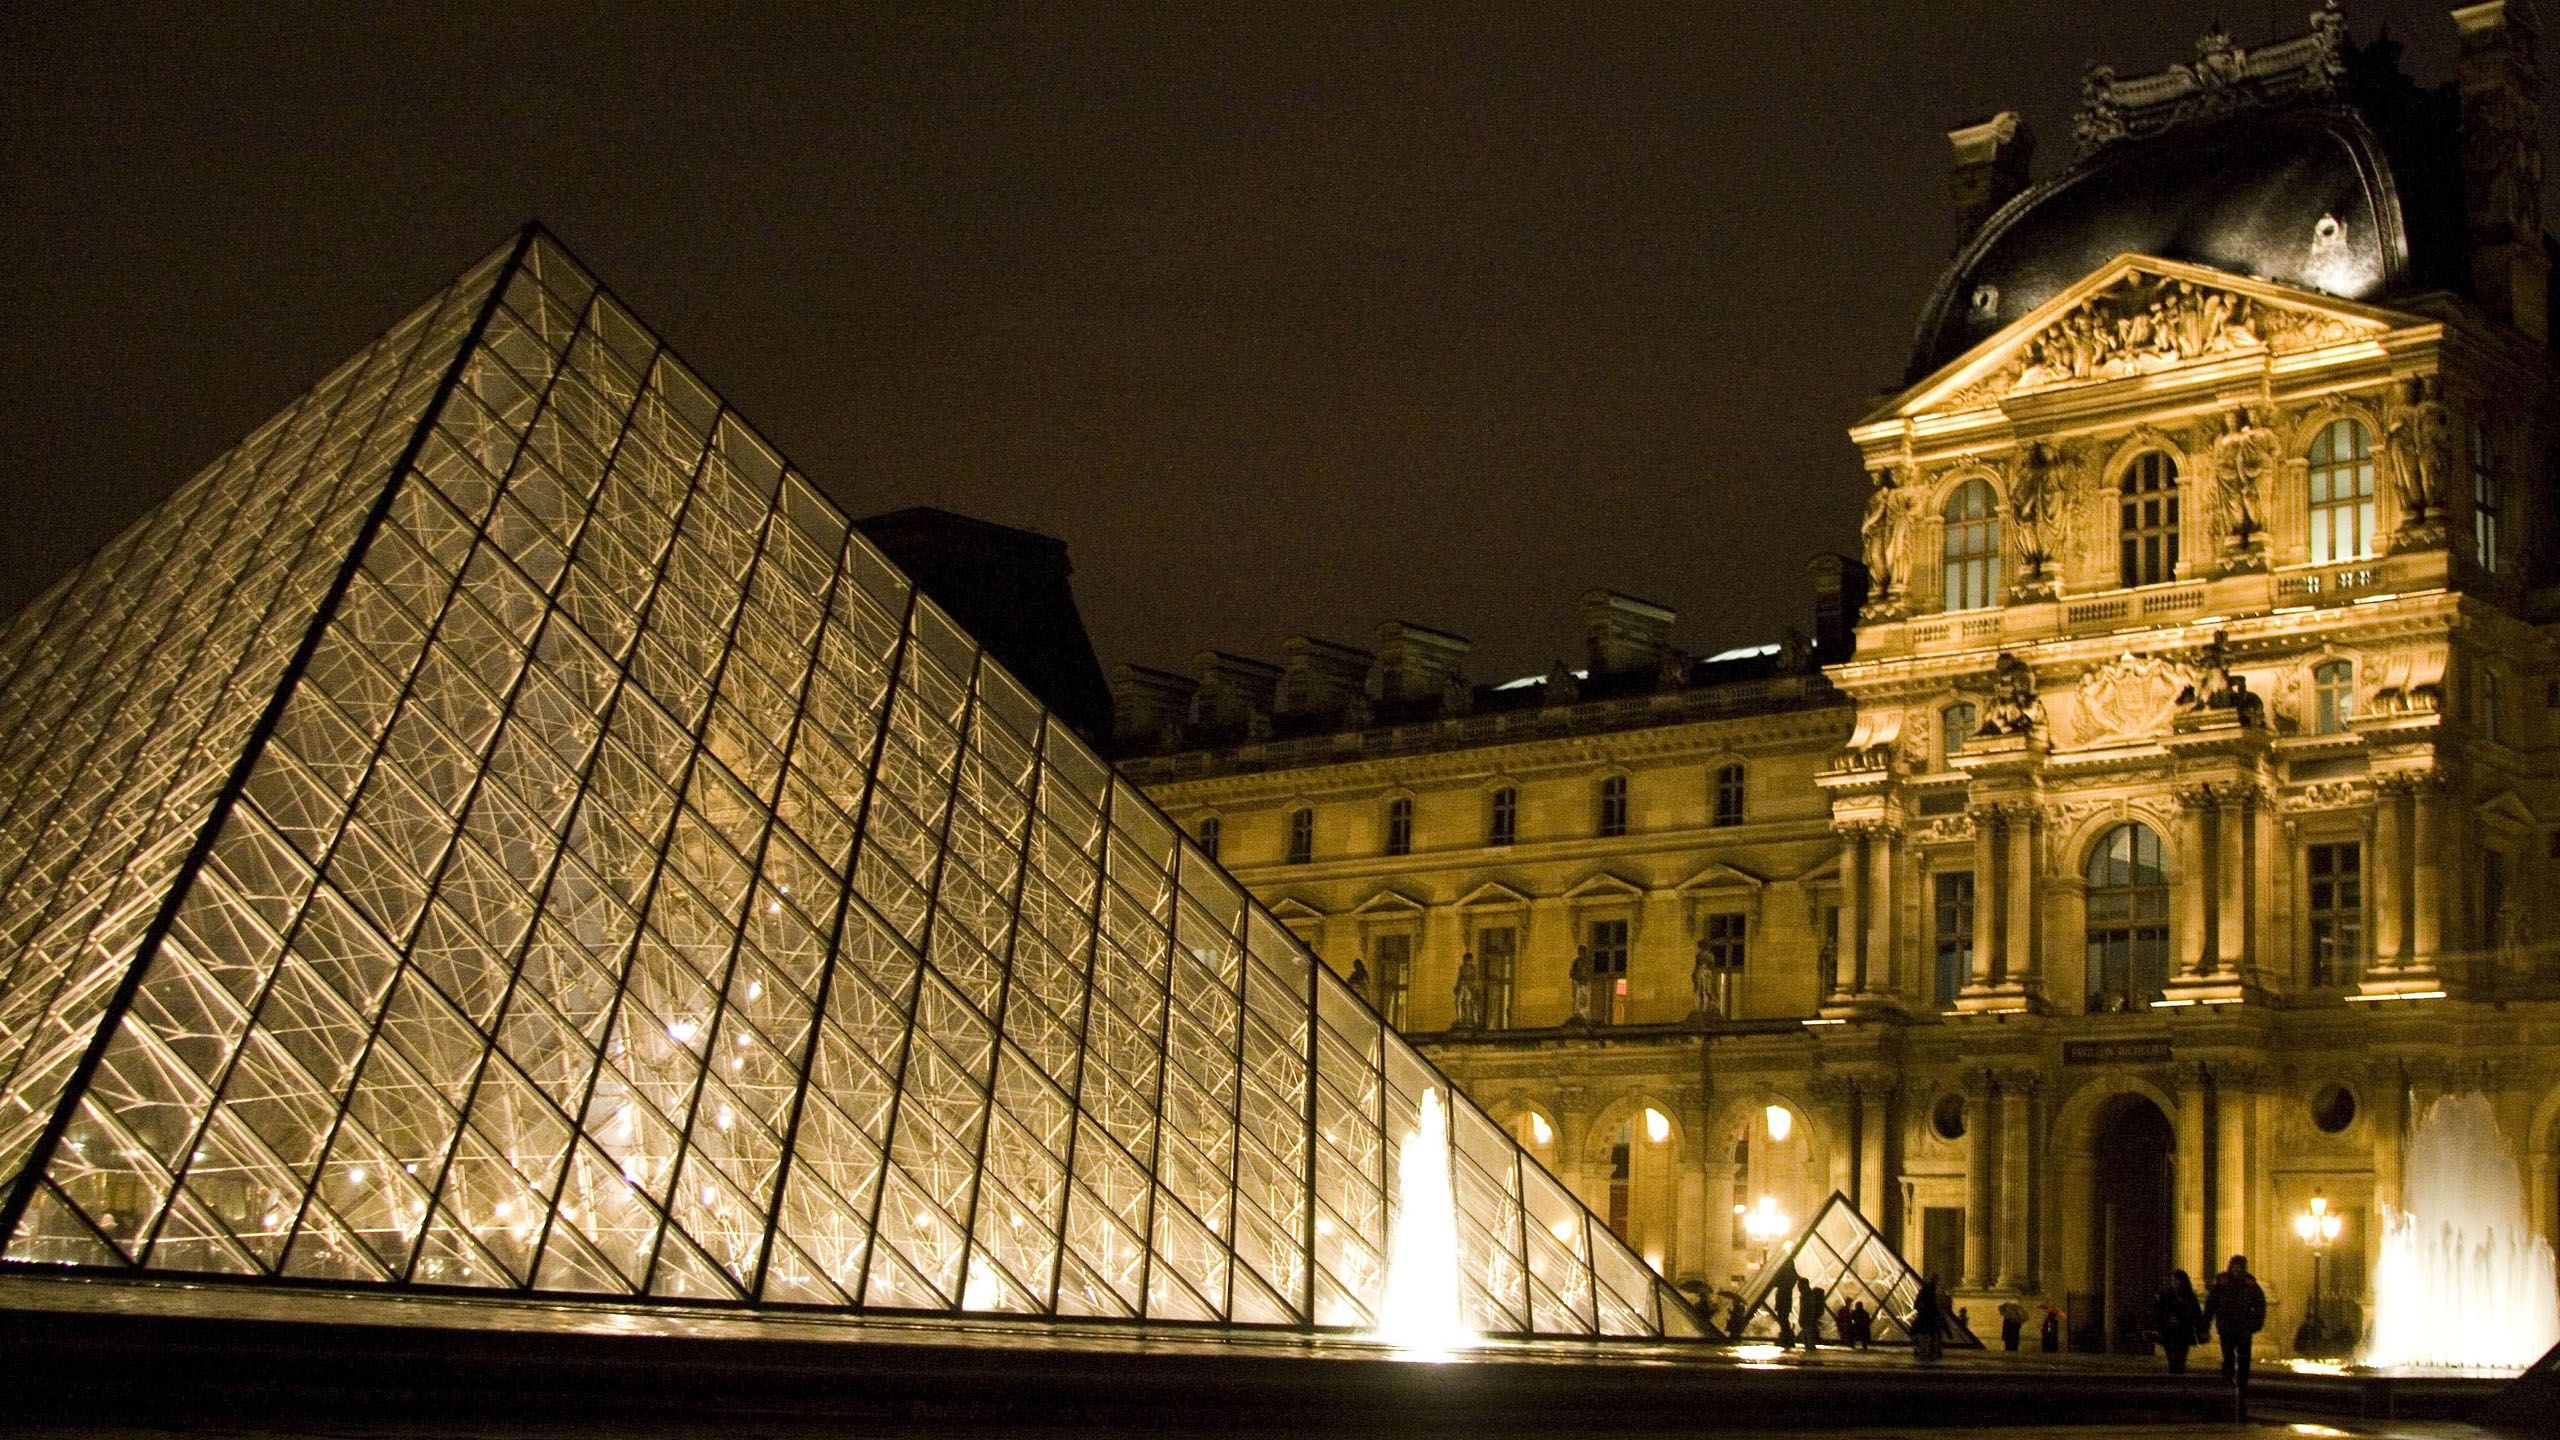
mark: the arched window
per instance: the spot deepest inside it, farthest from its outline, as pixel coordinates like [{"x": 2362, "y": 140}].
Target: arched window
[
  {"x": 2333, "y": 696},
  {"x": 1400, "y": 826},
  {"x": 1302, "y": 836},
  {"x": 2341, "y": 493},
  {"x": 1955, "y": 726},
  {"x": 2148, "y": 531},
  {"x": 2128, "y": 930},
  {"x": 1972, "y": 548}
]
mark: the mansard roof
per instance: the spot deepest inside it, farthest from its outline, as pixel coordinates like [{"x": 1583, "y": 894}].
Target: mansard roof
[{"x": 2325, "y": 170}]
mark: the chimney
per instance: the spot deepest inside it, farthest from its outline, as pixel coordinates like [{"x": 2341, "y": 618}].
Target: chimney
[
  {"x": 1991, "y": 166},
  {"x": 1415, "y": 663},
  {"x": 1622, "y": 632},
  {"x": 1323, "y": 678},
  {"x": 1235, "y": 693},
  {"x": 1839, "y": 593},
  {"x": 2500, "y": 77},
  {"x": 1149, "y": 707}
]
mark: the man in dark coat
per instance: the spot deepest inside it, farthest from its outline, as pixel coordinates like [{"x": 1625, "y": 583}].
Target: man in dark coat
[
  {"x": 2237, "y": 1310},
  {"x": 1929, "y": 1321}
]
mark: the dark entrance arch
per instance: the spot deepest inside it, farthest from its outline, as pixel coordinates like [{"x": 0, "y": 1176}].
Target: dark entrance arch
[{"x": 2132, "y": 1200}]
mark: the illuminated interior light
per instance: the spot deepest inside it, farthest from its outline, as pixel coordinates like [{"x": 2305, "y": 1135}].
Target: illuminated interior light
[
  {"x": 1781, "y": 1122},
  {"x": 1657, "y": 1126},
  {"x": 1539, "y": 1130},
  {"x": 358, "y": 1175}
]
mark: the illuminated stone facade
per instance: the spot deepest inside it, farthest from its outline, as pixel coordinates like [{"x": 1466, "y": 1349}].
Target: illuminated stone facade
[{"x": 2186, "y": 814}]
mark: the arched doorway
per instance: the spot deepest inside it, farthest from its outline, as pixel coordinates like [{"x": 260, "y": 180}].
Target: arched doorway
[{"x": 2132, "y": 1205}]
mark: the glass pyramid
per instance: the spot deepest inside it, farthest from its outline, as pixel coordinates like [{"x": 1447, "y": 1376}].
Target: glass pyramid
[
  {"x": 499, "y": 828},
  {"x": 1850, "y": 1260}
]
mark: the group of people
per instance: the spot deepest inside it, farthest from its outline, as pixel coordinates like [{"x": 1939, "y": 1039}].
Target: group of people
[
  {"x": 2233, "y": 1311},
  {"x": 1801, "y": 1308}
]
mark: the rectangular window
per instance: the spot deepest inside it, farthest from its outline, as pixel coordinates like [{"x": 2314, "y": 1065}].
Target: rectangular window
[
  {"x": 2489, "y": 706},
  {"x": 1210, "y": 830},
  {"x": 1942, "y": 1242},
  {"x": 2486, "y": 501},
  {"x": 1608, "y": 942},
  {"x": 1729, "y": 795},
  {"x": 1727, "y": 939},
  {"x": 1955, "y": 726},
  {"x": 2493, "y": 899},
  {"x": 1400, "y": 826},
  {"x": 1502, "y": 817},
  {"x": 2341, "y": 476},
  {"x": 1613, "y": 806},
  {"x": 2337, "y": 912},
  {"x": 1498, "y": 961},
  {"x": 1302, "y": 836},
  {"x": 1394, "y": 954},
  {"x": 1954, "y": 909},
  {"x": 2333, "y": 696}
]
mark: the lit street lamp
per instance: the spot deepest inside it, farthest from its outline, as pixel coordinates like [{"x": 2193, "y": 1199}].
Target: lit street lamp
[
  {"x": 1766, "y": 1224},
  {"x": 2318, "y": 1226}
]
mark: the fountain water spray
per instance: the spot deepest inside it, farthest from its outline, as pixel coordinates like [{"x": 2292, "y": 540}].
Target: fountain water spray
[
  {"x": 2461, "y": 1280},
  {"x": 1420, "y": 1313}
]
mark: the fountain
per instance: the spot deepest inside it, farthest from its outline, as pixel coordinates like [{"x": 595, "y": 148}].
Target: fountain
[
  {"x": 2461, "y": 1280},
  {"x": 1420, "y": 1313}
]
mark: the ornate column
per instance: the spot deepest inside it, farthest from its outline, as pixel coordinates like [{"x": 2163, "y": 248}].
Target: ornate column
[
  {"x": 2236, "y": 865},
  {"x": 2426, "y": 872},
  {"x": 2236, "y": 1136},
  {"x": 2019, "y": 971},
  {"x": 2195, "y": 867},
  {"x": 2387, "y": 1091},
  {"x": 1878, "y": 973},
  {"x": 2390, "y": 867},
  {"x": 1572, "y": 1121},
  {"x": 2194, "y": 1241},
  {"x": 1852, "y": 963},
  {"x": 1715, "y": 1218},
  {"x": 2019, "y": 1187},
  {"x": 1982, "y": 1180},
  {"x": 1988, "y": 952},
  {"x": 1874, "y": 1125}
]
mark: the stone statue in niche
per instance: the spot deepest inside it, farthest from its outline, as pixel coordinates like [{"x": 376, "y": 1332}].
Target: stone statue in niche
[
  {"x": 2217, "y": 688},
  {"x": 1885, "y": 536},
  {"x": 2417, "y": 453},
  {"x": 2012, "y": 707},
  {"x": 2036, "y": 509},
  {"x": 1706, "y": 985},
  {"x": 1469, "y": 994},
  {"x": 1581, "y": 976},
  {"x": 1359, "y": 979},
  {"x": 2245, "y": 457}
]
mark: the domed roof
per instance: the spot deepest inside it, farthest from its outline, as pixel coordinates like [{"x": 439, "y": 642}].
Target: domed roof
[{"x": 2334, "y": 180}]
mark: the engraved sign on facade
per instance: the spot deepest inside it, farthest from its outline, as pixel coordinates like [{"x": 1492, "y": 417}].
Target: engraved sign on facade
[{"x": 2115, "y": 1052}]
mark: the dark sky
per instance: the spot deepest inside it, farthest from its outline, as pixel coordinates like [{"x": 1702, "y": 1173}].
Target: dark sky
[{"x": 1288, "y": 319}]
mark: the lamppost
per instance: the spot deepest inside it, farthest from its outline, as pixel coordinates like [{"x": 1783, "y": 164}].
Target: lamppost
[
  {"x": 2318, "y": 1226},
  {"x": 1766, "y": 1224}
]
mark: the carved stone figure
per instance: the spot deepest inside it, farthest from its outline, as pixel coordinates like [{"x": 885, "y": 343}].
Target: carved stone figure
[
  {"x": 1706, "y": 984},
  {"x": 2244, "y": 461},
  {"x": 1561, "y": 686},
  {"x": 1580, "y": 974},
  {"x": 2012, "y": 707},
  {"x": 2217, "y": 688},
  {"x": 1359, "y": 978},
  {"x": 1886, "y": 535},
  {"x": 2036, "y": 508},
  {"x": 2145, "y": 324},
  {"x": 2417, "y": 456},
  {"x": 1672, "y": 672},
  {"x": 1469, "y": 994},
  {"x": 2100, "y": 120}
]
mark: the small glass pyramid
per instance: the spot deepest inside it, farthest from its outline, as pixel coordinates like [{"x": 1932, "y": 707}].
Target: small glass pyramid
[
  {"x": 1851, "y": 1261},
  {"x": 500, "y": 828}
]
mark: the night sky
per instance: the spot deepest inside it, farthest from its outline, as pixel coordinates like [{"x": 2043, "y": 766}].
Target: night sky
[{"x": 1288, "y": 319}]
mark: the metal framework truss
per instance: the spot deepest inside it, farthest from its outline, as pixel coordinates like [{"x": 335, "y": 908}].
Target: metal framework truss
[{"x": 500, "y": 828}]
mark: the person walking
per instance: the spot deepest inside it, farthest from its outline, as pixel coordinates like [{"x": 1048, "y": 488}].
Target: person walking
[
  {"x": 2177, "y": 1319},
  {"x": 2237, "y": 1310},
  {"x": 1862, "y": 1323},
  {"x": 1929, "y": 1321},
  {"x": 2013, "y": 1325},
  {"x": 1809, "y": 1314},
  {"x": 1782, "y": 1301}
]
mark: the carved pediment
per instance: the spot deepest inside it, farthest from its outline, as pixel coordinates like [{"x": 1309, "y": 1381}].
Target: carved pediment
[
  {"x": 2132, "y": 697},
  {"x": 2139, "y": 315}
]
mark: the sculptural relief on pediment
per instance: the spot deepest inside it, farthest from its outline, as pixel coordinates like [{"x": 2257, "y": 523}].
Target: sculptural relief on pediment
[
  {"x": 2147, "y": 323},
  {"x": 2132, "y": 697}
]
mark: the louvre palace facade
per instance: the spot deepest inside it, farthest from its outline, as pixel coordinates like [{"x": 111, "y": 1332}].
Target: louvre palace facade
[{"x": 2165, "y": 807}]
